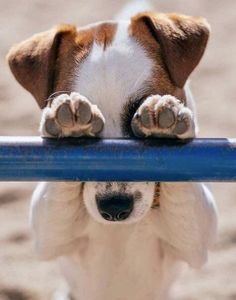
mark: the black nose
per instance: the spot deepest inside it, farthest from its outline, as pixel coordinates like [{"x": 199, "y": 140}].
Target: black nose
[{"x": 115, "y": 206}]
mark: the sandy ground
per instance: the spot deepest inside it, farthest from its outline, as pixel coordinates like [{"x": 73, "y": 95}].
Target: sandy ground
[{"x": 22, "y": 276}]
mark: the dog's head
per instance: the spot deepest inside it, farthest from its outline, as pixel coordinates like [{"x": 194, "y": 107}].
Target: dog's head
[{"x": 116, "y": 65}]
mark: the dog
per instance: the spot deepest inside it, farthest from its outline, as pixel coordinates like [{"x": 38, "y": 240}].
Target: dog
[{"x": 127, "y": 78}]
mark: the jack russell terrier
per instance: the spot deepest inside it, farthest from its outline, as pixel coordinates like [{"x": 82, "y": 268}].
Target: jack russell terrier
[{"x": 118, "y": 240}]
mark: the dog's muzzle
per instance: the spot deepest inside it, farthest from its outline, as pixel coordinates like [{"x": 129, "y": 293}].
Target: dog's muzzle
[{"x": 115, "y": 206}]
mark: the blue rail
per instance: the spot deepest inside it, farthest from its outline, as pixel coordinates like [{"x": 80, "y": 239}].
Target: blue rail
[{"x": 34, "y": 159}]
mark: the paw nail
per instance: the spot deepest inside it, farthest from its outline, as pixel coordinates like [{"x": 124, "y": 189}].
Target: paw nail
[
  {"x": 166, "y": 118},
  {"x": 84, "y": 113},
  {"x": 65, "y": 115}
]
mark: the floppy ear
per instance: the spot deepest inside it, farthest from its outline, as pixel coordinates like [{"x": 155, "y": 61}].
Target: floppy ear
[
  {"x": 182, "y": 40},
  {"x": 34, "y": 62}
]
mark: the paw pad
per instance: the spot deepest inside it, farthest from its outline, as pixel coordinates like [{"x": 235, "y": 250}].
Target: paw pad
[
  {"x": 166, "y": 118},
  {"x": 71, "y": 115},
  {"x": 64, "y": 115},
  {"x": 163, "y": 116}
]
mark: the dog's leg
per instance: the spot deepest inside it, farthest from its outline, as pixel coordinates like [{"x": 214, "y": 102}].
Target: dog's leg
[
  {"x": 71, "y": 115},
  {"x": 58, "y": 214},
  {"x": 163, "y": 116},
  {"x": 58, "y": 217},
  {"x": 187, "y": 221}
]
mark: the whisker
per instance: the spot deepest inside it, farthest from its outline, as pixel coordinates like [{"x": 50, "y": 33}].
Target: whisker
[{"x": 53, "y": 95}]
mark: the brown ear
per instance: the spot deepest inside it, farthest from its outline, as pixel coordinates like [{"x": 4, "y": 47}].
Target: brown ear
[
  {"x": 33, "y": 62},
  {"x": 182, "y": 40}
]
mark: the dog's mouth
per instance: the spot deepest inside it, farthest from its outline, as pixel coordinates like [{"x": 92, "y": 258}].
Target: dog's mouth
[{"x": 115, "y": 207}]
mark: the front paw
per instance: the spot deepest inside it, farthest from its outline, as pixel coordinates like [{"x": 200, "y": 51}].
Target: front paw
[
  {"x": 163, "y": 116},
  {"x": 71, "y": 115}
]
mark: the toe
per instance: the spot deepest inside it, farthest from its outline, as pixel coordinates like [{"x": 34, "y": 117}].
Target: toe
[
  {"x": 52, "y": 128},
  {"x": 146, "y": 117},
  {"x": 84, "y": 113},
  {"x": 97, "y": 124},
  {"x": 135, "y": 125},
  {"x": 165, "y": 118},
  {"x": 181, "y": 127},
  {"x": 65, "y": 115}
]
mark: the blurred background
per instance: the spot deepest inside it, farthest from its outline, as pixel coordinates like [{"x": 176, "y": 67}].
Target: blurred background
[{"x": 22, "y": 276}]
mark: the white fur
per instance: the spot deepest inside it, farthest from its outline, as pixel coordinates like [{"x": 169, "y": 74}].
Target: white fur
[
  {"x": 139, "y": 258},
  {"x": 107, "y": 82},
  {"x": 132, "y": 8},
  {"x": 130, "y": 261}
]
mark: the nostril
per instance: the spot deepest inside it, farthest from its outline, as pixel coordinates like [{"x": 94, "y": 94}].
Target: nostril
[
  {"x": 107, "y": 216},
  {"x": 123, "y": 215},
  {"x": 115, "y": 206}
]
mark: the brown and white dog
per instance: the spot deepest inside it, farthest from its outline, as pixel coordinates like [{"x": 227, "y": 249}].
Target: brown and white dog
[{"x": 118, "y": 79}]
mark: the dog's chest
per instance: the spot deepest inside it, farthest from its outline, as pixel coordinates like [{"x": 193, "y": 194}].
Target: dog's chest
[{"x": 117, "y": 263}]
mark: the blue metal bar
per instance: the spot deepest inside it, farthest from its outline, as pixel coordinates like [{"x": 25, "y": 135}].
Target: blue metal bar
[{"x": 34, "y": 159}]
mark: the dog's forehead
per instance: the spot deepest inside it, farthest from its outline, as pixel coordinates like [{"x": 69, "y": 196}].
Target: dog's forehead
[
  {"x": 114, "y": 60},
  {"x": 115, "y": 68}
]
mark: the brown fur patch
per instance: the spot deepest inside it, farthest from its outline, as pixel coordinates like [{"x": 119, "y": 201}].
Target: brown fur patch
[
  {"x": 45, "y": 63},
  {"x": 175, "y": 43},
  {"x": 34, "y": 61},
  {"x": 75, "y": 48},
  {"x": 156, "y": 198},
  {"x": 181, "y": 39},
  {"x": 160, "y": 82},
  {"x": 104, "y": 34}
]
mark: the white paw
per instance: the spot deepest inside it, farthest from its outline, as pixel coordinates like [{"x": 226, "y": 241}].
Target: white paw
[
  {"x": 163, "y": 116},
  {"x": 71, "y": 115}
]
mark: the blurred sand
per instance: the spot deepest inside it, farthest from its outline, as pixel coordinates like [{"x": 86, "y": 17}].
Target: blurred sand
[{"x": 22, "y": 276}]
